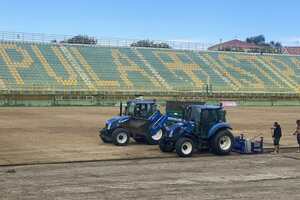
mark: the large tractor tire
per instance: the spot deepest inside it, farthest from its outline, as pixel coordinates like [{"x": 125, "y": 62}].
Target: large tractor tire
[
  {"x": 166, "y": 146},
  {"x": 222, "y": 142},
  {"x": 184, "y": 147},
  {"x": 154, "y": 139},
  {"x": 120, "y": 137}
]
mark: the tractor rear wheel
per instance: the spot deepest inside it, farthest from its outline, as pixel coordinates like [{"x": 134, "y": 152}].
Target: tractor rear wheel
[
  {"x": 184, "y": 147},
  {"x": 166, "y": 146},
  {"x": 120, "y": 137},
  {"x": 222, "y": 142}
]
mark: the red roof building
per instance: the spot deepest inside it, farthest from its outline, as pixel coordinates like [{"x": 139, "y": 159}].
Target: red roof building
[
  {"x": 292, "y": 50},
  {"x": 235, "y": 45}
]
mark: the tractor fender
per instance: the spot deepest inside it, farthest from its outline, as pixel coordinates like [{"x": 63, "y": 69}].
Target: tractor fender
[{"x": 218, "y": 127}]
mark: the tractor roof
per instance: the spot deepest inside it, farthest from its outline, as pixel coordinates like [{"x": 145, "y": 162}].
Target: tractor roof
[
  {"x": 142, "y": 101},
  {"x": 207, "y": 107}
]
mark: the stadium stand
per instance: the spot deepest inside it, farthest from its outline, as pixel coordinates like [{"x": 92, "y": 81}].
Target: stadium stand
[{"x": 45, "y": 67}]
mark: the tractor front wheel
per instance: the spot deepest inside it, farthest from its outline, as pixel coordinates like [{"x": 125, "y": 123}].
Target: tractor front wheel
[
  {"x": 222, "y": 142},
  {"x": 184, "y": 147},
  {"x": 120, "y": 137}
]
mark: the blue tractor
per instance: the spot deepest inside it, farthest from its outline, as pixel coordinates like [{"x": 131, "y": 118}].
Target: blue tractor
[
  {"x": 141, "y": 121},
  {"x": 202, "y": 127}
]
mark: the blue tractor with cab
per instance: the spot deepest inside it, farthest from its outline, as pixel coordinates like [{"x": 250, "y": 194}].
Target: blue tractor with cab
[
  {"x": 201, "y": 127},
  {"x": 141, "y": 121}
]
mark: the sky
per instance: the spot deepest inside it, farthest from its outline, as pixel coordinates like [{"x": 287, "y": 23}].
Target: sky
[{"x": 205, "y": 21}]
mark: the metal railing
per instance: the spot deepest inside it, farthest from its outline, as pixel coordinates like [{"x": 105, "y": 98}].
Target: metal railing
[{"x": 101, "y": 41}]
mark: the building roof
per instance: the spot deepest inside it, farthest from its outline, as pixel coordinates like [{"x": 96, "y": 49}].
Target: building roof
[
  {"x": 235, "y": 44},
  {"x": 292, "y": 50}
]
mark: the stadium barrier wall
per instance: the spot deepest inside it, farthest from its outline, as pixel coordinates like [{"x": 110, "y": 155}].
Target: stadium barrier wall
[{"x": 14, "y": 100}]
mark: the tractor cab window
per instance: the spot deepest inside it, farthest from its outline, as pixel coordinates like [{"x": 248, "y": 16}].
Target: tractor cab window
[
  {"x": 209, "y": 116},
  {"x": 221, "y": 115},
  {"x": 129, "y": 110},
  {"x": 142, "y": 110},
  {"x": 193, "y": 114}
]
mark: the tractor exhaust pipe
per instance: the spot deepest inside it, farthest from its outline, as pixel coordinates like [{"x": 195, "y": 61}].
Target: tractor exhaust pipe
[{"x": 121, "y": 108}]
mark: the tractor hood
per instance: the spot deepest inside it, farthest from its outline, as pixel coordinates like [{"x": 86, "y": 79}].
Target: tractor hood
[
  {"x": 179, "y": 127},
  {"x": 116, "y": 121}
]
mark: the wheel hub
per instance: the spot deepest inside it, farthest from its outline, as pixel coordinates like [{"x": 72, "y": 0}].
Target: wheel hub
[
  {"x": 122, "y": 138},
  {"x": 186, "y": 148},
  {"x": 225, "y": 142}
]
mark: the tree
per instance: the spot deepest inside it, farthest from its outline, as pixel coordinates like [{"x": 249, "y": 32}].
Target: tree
[
  {"x": 258, "y": 40},
  {"x": 81, "y": 39},
  {"x": 271, "y": 47},
  {"x": 150, "y": 44}
]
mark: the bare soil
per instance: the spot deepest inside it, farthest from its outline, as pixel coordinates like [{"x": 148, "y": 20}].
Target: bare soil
[
  {"x": 54, "y": 134},
  {"x": 203, "y": 177}
]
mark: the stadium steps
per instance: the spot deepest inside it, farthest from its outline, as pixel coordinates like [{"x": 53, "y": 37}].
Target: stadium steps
[
  {"x": 77, "y": 68},
  {"x": 188, "y": 69},
  {"x": 2, "y": 85},
  {"x": 125, "y": 66},
  {"x": 234, "y": 83},
  {"x": 248, "y": 62},
  {"x": 40, "y": 67},
  {"x": 210, "y": 74},
  {"x": 247, "y": 80},
  {"x": 91, "y": 72},
  {"x": 153, "y": 71},
  {"x": 268, "y": 64}
]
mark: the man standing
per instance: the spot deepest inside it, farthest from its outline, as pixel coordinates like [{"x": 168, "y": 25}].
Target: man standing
[
  {"x": 297, "y": 133},
  {"x": 276, "y": 136}
]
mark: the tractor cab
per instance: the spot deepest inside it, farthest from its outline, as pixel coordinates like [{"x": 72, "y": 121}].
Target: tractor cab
[
  {"x": 204, "y": 117},
  {"x": 140, "y": 120}
]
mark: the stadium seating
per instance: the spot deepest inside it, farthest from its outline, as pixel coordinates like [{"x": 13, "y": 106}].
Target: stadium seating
[{"x": 49, "y": 67}]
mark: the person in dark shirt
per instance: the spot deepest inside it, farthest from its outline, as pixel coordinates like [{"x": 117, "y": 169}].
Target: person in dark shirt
[
  {"x": 297, "y": 133},
  {"x": 276, "y": 136}
]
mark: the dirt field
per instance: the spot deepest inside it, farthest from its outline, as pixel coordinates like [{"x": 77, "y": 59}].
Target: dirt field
[
  {"x": 207, "y": 177},
  {"x": 66, "y": 134}
]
